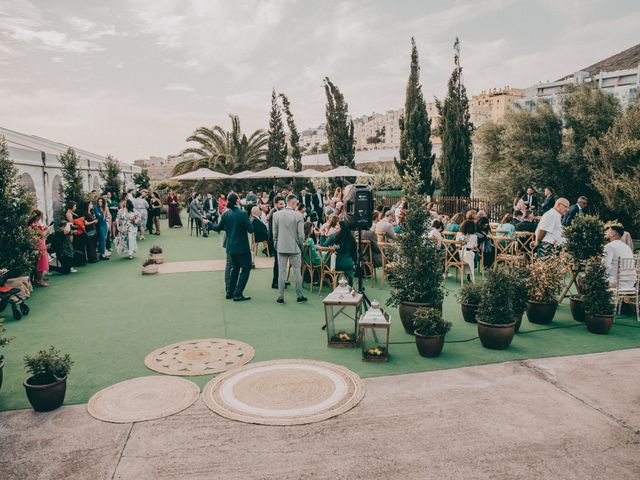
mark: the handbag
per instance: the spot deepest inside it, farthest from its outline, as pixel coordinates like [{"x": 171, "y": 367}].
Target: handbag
[{"x": 91, "y": 233}]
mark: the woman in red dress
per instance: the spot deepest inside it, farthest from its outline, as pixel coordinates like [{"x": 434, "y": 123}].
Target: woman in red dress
[
  {"x": 173, "y": 211},
  {"x": 40, "y": 233}
]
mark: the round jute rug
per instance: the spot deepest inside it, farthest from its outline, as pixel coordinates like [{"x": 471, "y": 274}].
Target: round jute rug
[
  {"x": 284, "y": 392},
  {"x": 143, "y": 398},
  {"x": 200, "y": 357}
]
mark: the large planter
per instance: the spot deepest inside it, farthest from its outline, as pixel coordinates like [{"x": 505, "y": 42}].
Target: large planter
[
  {"x": 151, "y": 269},
  {"x": 408, "y": 309},
  {"x": 577, "y": 308},
  {"x": 157, "y": 257},
  {"x": 600, "y": 324},
  {"x": 44, "y": 398},
  {"x": 496, "y": 337},
  {"x": 517, "y": 317},
  {"x": 469, "y": 311},
  {"x": 541, "y": 313},
  {"x": 429, "y": 346}
]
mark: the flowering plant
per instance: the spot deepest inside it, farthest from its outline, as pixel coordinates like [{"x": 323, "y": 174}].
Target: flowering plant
[{"x": 546, "y": 280}]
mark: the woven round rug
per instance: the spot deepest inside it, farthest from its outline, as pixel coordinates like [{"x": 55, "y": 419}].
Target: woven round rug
[
  {"x": 200, "y": 357},
  {"x": 284, "y": 392},
  {"x": 143, "y": 398}
]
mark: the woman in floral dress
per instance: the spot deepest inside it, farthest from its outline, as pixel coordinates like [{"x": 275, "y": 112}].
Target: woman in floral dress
[{"x": 128, "y": 221}]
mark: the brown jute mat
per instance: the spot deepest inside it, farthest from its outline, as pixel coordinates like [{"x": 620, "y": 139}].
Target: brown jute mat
[
  {"x": 284, "y": 392},
  {"x": 207, "y": 265}
]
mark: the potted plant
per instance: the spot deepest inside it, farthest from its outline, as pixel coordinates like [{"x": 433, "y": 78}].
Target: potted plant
[
  {"x": 417, "y": 274},
  {"x": 149, "y": 267},
  {"x": 47, "y": 384},
  {"x": 469, "y": 298},
  {"x": 155, "y": 254},
  {"x": 543, "y": 286},
  {"x": 576, "y": 303},
  {"x": 599, "y": 308},
  {"x": 517, "y": 278},
  {"x": 585, "y": 239},
  {"x": 4, "y": 341},
  {"x": 429, "y": 330},
  {"x": 496, "y": 325}
]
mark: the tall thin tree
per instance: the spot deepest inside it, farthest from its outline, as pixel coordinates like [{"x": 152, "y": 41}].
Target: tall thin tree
[
  {"x": 455, "y": 131},
  {"x": 339, "y": 128},
  {"x": 71, "y": 188},
  {"x": 277, "y": 146},
  {"x": 415, "y": 129},
  {"x": 294, "y": 135},
  {"x": 111, "y": 174}
]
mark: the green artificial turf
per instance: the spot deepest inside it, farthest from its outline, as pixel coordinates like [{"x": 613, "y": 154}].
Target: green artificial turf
[{"x": 108, "y": 317}]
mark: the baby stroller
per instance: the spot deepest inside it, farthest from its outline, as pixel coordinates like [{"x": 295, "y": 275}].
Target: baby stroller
[{"x": 11, "y": 296}]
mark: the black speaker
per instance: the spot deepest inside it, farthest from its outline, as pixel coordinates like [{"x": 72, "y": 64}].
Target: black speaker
[{"x": 358, "y": 206}]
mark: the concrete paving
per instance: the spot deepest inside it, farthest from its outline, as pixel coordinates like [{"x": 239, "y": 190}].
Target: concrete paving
[{"x": 557, "y": 418}]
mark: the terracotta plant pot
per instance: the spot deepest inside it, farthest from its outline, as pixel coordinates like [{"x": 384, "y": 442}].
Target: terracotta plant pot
[
  {"x": 577, "y": 308},
  {"x": 150, "y": 269},
  {"x": 600, "y": 324},
  {"x": 541, "y": 313},
  {"x": 517, "y": 317},
  {"x": 44, "y": 398},
  {"x": 430, "y": 346},
  {"x": 407, "y": 311},
  {"x": 157, "y": 257},
  {"x": 469, "y": 311},
  {"x": 496, "y": 337}
]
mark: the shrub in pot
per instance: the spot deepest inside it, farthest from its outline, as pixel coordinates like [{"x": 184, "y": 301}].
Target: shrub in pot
[
  {"x": 417, "y": 274},
  {"x": 496, "y": 325},
  {"x": 585, "y": 239},
  {"x": 543, "y": 286},
  {"x": 598, "y": 303},
  {"x": 430, "y": 330},
  {"x": 47, "y": 384},
  {"x": 469, "y": 298},
  {"x": 4, "y": 341},
  {"x": 518, "y": 277}
]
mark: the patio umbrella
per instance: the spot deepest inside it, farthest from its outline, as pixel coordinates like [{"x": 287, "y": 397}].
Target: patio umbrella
[
  {"x": 344, "y": 172},
  {"x": 309, "y": 173},
  {"x": 201, "y": 174},
  {"x": 241, "y": 175},
  {"x": 273, "y": 172}
]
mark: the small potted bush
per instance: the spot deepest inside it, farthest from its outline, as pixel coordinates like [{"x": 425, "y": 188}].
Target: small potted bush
[
  {"x": 149, "y": 267},
  {"x": 429, "y": 330},
  {"x": 599, "y": 308},
  {"x": 47, "y": 384},
  {"x": 576, "y": 303},
  {"x": 155, "y": 254},
  {"x": 585, "y": 239},
  {"x": 496, "y": 325},
  {"x": 517, "y": 278},
  {"x": 469, "y": 298},
  {"x": 4, "y": 341},
  {"x": 543, "y": 286}
]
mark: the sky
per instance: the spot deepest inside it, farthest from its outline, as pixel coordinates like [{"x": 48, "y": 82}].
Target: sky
[{"x": 134, "y": 78}]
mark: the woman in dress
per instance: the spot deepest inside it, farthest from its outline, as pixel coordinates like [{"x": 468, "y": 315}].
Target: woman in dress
[
  {"x": 330, "y": 228},
  {"x": 156, "y": 208},
  {"x": 469, "y": 245},
  {"x": 91, "y": 231},
  {"x": 40, "y": 233},
  {"x": 453, "y": 225},
  {"x": 102, "y": 214},
  {"x": 128, "y": 221},
  {"x": 346, "y": 250},
  {"x": 173, "y": 210},
  {"x": 337, "y": 194},
  {"x": 79, "y": 236}
]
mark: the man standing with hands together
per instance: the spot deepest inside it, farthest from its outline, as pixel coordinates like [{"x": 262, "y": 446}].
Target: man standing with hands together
[{"x": 288, "y": 239}]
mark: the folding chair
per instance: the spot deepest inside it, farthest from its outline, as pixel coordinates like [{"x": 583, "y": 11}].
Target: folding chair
[
  {"x": 626, "y": 275},
  {"x": 328, "y": 266},
  {"x": 453, "y": 258}
]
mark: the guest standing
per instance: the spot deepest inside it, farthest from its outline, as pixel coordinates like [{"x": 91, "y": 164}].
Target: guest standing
[
  {"x": 288, "y": 239},
  {"x": 574, "y": 211},
  {"x": 156, "y": 209},
  {"x": 91, "y": 231},
  {"x": 40, "y": 233},
  {"x": 173, "y": 210},
  {"x": 549, "y": 234},
  {"x": 101, "y": 213},
  {"x": 128, "y": 222},
  {"x": 278, "y": 204}
]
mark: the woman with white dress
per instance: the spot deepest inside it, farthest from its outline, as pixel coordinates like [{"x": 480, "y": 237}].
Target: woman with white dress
[
  {"x": 469, "y": 245},
  {"x": 128, "y": 221}
]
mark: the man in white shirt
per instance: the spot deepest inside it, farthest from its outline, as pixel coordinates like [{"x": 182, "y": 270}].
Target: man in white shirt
[
  {"x": 386, "y": 226},
  {"x": 613, "y": 252},
  {"x": 549, "y": 233}
]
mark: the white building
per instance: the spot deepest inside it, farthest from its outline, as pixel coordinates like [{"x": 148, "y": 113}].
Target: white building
[{"x": 37, "y": 162}]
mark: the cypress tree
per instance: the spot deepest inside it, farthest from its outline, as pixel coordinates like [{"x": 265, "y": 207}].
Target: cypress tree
[
  {"x": 455, "y": 131},
  {"x": 71, "y": 188},
  {"x": 110, "y": 173},
  {"x": 277, "y": 145},
  {"x": 294, "y": 135},
  {"x": 341, "y": 146},
  {"x": 415, "y": 129}
]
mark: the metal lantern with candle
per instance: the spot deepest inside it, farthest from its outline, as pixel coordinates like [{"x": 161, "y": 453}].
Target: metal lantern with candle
[
  {"x": 342, "y": 309},
  {"x": 374, "y": 334}
]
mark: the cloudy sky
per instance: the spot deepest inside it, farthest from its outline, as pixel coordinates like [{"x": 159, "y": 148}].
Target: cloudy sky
[{"x": 134, "y": 78}]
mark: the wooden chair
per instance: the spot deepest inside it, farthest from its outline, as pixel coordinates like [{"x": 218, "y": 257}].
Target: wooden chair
[
  {"x": 382, "y": 237},
  {"x": 493, "y": 226},
  {"x": 308, "y": 266},
  {"x": 524, "y": 246},
  {"x": 387, "y": 264},
  {"x": 453, "y": 258},
  {"x": 505, "y": 251},
  {"x": 254, "y": 245},
  {"x": 327, "y": 267},
  {"x": 449, "y": 235},
  {"x": 364, "y": 246}
]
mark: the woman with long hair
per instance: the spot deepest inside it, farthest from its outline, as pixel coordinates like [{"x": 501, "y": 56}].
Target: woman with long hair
[
  {"x": 128, "y": 222},
  {"x": 519, "y": 203},
  {"x": 91, "y": 230},
  {"x": 330, "y": 227},
  {"x": 101, "y": 212},
  {"x": 469, "y": 245},
  {"x": 156, "y": 208},
  {"x": 40, "y": 233},
  {"x": 173, "y": 210},
  {"x": 346, "y": 250}
]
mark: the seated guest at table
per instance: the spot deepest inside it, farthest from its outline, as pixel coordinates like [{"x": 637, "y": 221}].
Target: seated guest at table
[
  {"x": 454, "y": 223},
  {"x": 260, "y": 232},
  {"x": 346, "y": 250},
  {"x": 386, "y": 226},
  {"x": 210, "y": 207},
  {"x": 251, "y": 198},
  {"x": 507, "y": 225},
  {"x": 436, "y": 233},
  {"x": 517, "y": 217},
  {"x": 375, "y": 218},
  {"x": 548, "y": 201},
  {"x": 195, "y": 212},
  {"x": 469, "y": 240},
  {"x": 527, "y": 224},
  {"x": 330, "y": 227},
  {"x": 614, "y": 251},
  {"x": 310, "y": 239},
  {"x": 471, "y": 214}
]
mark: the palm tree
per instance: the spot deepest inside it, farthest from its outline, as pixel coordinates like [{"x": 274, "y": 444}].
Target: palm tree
[{"x": 228, "y": 152}]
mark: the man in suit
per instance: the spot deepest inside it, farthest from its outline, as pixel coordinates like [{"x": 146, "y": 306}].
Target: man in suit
[
  {"x": 235, "y": 222},
  {"x": 527, "y": 224},
  {"x": 530, "y": 200},
  {"x": 288, "y": 239},
  {"x": 575, "y": 210},
  {"x": 305, "y": 199},
  {"x": 548, "y": 202},
  {"x": 317, "y": 201},
  {"x": 195, "y": 212},
  {"x": 210, "y": 207},
  {"x": 278, "y": 204}
]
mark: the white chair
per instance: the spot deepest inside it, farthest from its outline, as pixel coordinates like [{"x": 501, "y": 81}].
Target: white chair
[{"x": 627, "y": 284}]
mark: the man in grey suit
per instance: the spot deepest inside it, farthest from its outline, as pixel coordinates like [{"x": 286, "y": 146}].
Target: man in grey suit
[
  {"x": 196, "y": 212},
  {"x": 288, "y": 240}
]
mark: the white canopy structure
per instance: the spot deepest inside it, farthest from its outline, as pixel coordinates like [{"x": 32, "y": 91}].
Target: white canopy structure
[
  {"x": 343, "y": 171},
  {"x": 273, "y": 172},
  {"x": 201, "y": 174},
  {"x": 241, "y": 175},
  {"x": 309, "y": 173}
]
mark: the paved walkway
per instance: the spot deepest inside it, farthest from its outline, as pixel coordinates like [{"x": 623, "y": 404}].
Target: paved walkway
[{"x": 556, "y": 418}]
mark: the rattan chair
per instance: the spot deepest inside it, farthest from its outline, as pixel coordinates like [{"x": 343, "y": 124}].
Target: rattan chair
[
  {"x": 453, "y": 258},
  {"x": 505, "y": 251},
  {"x": 328, "y": 266},
  {"x": 524, "y": 246},
  {"x": 367, "y": 259},
  {"x": 308, "y": 266}
]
